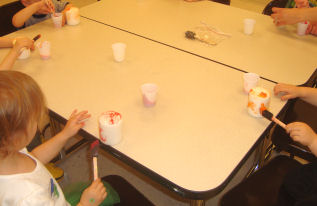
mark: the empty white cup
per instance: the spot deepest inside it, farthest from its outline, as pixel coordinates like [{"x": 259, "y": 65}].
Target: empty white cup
[
  {"x": 249, "y": 26},
  {"x": 250, "y": 81},
  {"x": 119, "y": 51},
  {"x": 301, "y": 28},
  {"x": 149, "y": 94},
  {"x": 57, "y": 19},
  {"x": 72, "y": 16}
]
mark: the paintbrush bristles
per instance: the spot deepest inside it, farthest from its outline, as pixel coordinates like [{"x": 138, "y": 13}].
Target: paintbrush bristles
[
  {"x": 94, "y": 148},
  {"x": 268, "y": 115}
]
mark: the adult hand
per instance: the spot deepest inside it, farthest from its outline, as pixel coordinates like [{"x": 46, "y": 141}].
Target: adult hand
[
  {"x": 75, "y": 122},
  {"x": 302, "y": 133},
  {"x": 94, "y": 194}
]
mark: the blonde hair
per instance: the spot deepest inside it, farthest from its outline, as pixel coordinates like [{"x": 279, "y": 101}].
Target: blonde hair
[{"x": 21, "y": 101}]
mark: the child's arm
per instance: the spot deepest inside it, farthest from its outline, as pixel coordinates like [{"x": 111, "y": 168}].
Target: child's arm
[
  {"x": 23, "y": 15},
  {"x": 290, "y": 91},
  {"x": 303, "y": 134},
  {"x": 20, "y": 43},
  {"x": 49, "y": 149}
]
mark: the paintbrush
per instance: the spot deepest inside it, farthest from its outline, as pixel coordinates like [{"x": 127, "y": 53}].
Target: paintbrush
[
  {"x": 94, "y": 152},
  {"x": 268, "y": 115},
  {"x": 37, "y": 37},
  {"x": 192, "y": 35}
]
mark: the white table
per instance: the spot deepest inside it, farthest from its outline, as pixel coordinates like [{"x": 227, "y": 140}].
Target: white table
[
  {"x": 275, "y": 53},
  {"x": 191, "y": 141}
]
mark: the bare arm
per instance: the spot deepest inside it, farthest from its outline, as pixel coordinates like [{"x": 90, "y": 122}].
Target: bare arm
[
  {"x": 23, "y": 15},
  {"x": 49, "y": 149},
  {"x": 8, "y": 61},
  {"x": 290, "y": 91},
  {"x": 283, "y": 16}
]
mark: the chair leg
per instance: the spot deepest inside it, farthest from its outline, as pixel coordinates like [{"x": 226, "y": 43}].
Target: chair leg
[{"x": 197, "y": 203}]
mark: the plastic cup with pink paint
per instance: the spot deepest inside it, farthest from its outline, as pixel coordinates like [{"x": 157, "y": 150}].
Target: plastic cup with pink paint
[
  {"x": 301, "y": 28},
  {"x": 149, "y": 94},
  {"x": 57, "y": 19},
  {"x": 251, "y": 80},
  {"x": 110, "y": 127},
  {"x": 44, "y": 49}
]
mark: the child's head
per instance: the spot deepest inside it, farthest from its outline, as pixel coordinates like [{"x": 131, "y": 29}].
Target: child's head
[{"x": 22, "y": 105}]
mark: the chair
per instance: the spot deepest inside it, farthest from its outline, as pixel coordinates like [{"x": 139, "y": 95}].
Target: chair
[
  {"x": 274, "y": 3},
  {"x": 119, "y": 192},
  {"x": 128, "y": 194},
  {"x": 7, "y": 11},
  {"x": 262, "y": 187},
  {"x": 227, "y": 2}
]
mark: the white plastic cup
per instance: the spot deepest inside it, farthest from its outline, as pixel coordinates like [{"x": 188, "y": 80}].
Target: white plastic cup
[
  {"x": 251, "y": 80},
  {"x": 72, "y": 16},
  {"x": 57, "y": 19},
  {"x": 119, "y": 51},
  {"x": 44, "y": 49},
  {"x": 110, "y": 127},
  {"x": 24, "y": 53},
  {"x": 149, "y": 94},
  {"x": 301, "y": 28},
  {"x": 249, "y": 26}
]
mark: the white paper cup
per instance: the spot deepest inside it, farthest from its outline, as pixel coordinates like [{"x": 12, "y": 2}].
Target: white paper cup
[
  {"x": 25, "y": 53},
  {"x": 149, "y": 94},
  {"x": 248, "y": 26},
  {"x": 250, "y": 80},
  {"x": 44, "y": 49},
  {"x": 72, "y": 16},
  {"x": 119, "y": 51},
  {"x": 301, "y": 28},
  {"x": 110, "y": 127},
  {"x": 258, "y": 97},
  {"x": 57, "y": 19}
]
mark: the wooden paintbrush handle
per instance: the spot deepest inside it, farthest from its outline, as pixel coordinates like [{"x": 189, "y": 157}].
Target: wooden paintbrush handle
[
  {"x": 277, "y": 121},
  {"x": 95, "y": 168}
]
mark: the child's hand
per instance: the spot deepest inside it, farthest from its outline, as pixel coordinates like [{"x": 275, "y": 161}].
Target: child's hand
[
  {"x": 45, "y": 7},
  {"x": 75, "y": 122},
  {"x": 22, "y": 42},
  {"x": 94, "y": 194},
  {"x": 302, "y": 3},
  {"x": 290, "y": 91},
  {"x": 302, "y": 133},
  {"x": 312, "y": 29}
]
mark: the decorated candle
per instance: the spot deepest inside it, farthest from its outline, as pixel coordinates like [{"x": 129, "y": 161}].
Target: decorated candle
[
  {"x": 258, "y": 97},
  {"x": 110, "y": 126},
  {"x": 72, "y": 16}
]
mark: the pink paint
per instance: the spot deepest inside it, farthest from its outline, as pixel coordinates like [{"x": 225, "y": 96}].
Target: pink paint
[{"x": 147, "y": 102}]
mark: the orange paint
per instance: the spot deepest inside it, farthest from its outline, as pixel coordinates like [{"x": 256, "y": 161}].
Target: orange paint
[
  {"x": 263, "y": 95},
  {"x": 262, "y": 108},
  {"x": 251, "y": 105}
]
